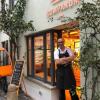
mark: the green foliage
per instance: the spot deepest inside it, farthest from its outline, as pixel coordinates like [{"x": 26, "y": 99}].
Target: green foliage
[
  {"x": 89, "y": 17},
  {"x": 12, "y": 21}
]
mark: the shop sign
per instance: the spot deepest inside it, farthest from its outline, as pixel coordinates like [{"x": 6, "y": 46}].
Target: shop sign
[{"x": 61, "y": 6}]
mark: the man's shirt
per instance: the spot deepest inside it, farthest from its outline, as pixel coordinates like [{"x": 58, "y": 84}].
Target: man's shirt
[{"x": 56, "y": 53}]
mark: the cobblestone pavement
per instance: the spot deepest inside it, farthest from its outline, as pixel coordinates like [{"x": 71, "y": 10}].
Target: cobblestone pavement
[{"x": 22, "y": 96}]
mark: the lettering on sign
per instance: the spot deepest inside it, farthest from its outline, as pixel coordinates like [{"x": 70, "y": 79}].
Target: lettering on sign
[
  {"x": 61, "y": 5},
  {"x": 17, "y": 72}
]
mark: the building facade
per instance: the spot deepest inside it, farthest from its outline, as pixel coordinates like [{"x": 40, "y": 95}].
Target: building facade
[{"x": 50, "y": 19}]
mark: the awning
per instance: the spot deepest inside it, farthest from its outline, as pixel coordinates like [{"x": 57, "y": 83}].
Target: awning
[{"x": 3, "y": 37}]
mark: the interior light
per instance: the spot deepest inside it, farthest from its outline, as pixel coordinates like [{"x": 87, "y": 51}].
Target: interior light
[
  {"x": 63, "y": 31},
  {"x": 75, "y": 32}
]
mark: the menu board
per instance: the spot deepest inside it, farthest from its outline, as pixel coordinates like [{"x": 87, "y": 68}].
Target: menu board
[{"x": 16, "y": 77}]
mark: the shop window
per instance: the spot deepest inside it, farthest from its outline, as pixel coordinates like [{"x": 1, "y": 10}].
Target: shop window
[
  {"x": 51, "y": 45},
  {"x": 48, "y": 56},
  {"x": 41, "y": 56},
  {"x": 38, "y": 56}
]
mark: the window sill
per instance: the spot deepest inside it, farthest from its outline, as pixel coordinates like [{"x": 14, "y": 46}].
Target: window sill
[{"x": 41, "y": 83}]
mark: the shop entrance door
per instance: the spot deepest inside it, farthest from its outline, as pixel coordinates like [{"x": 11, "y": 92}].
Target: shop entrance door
[{"x": 71, "y": 40}]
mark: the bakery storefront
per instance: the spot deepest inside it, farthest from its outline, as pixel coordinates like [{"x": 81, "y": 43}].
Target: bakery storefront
[
  {"x": 40, "y": 81},
  {"x": 41, "y": 48}
]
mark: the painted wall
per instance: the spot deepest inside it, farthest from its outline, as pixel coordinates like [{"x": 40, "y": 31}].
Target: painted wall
[
  {"x": 40, "y": 92},
  {"x": 36, "y": 10},
  {"x": 3, "y": 37}
]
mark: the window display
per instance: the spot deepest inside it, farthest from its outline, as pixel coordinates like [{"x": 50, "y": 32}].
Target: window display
[
  {"x": 42, "y": 57},
  {"x": 48, "y": 56},
  {"x": 55, "y": 40},
  {"x": 38, "y": 56}
]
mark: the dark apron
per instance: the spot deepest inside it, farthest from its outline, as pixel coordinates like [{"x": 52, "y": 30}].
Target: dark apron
[{"x": 64, "y": 74}]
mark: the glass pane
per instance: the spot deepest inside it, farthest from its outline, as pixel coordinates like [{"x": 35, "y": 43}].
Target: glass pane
[
  {"x": 55, "y": 46},
  {"x": 48, "y": 41},
  {"x": 38, "y": 56},
  {"x": 49, "y": 65},
  {"x": 55, "y": 41},
  {"x": 29, "y": 57},
  {"x": 48, "y": 56},
  {"x": 4, "y": 58}
]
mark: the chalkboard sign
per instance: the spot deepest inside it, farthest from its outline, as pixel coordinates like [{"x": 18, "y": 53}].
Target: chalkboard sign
[{"x": 17, "y": 72}]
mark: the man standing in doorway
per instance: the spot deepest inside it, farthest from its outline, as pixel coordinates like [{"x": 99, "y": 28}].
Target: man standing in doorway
[{"x": 64, "y": 74}]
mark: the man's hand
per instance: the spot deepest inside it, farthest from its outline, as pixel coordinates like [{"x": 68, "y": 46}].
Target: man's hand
[
  {"x": 61, "y": 60},
  {"x": 64, "y": 60},
  {"x": 68, "y": 59}
]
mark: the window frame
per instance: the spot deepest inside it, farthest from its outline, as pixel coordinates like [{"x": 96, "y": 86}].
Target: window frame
[{"x": 44, "y": 79}]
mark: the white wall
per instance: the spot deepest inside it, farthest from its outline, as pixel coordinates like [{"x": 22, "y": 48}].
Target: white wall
[
  {"x": 36, "y": 10},
  {"x": 39, "y": 92},
  {"x": 3, "y": 37}
]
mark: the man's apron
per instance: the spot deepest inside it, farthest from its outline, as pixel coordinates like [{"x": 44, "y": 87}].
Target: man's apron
[{"x": 64, "y": 74}]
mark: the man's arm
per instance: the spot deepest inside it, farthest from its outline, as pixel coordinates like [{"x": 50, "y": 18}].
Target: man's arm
[
  {"x": 57, "y": 59},
  {"x": 60, "y": 61},
  {"x": 64, "y": 60},
  {"x": 68, "y": 59},
  {"x": 71, "y": 56}
]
